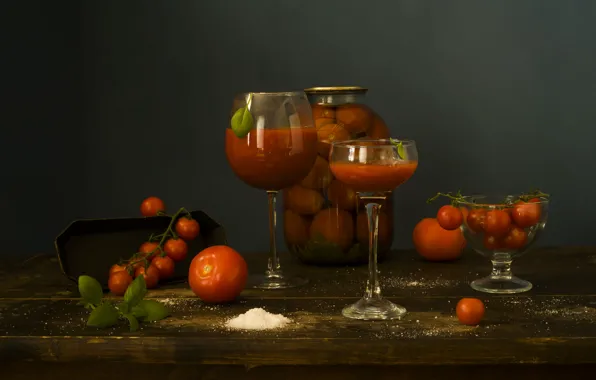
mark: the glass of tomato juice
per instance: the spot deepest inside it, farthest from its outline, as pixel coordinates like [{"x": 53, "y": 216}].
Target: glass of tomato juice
[
  {"x": 373, "y": 168},
  {"x": 271, "y": 144}
]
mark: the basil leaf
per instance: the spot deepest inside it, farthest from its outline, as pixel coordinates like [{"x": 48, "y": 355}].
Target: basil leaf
[
  {"x": 123, "y": 307},
  {"x": 105, "y": 315},
  {"x": 133, "y": 322},
  {"x": 155, "y": 310},
  {"x": 401, "y": 152},
  {"x": 136, "y": 291},
  {"x": 138, "y": 312},
  {"x": 90, "y": 290},
  {"x": 242, "y": 122}
]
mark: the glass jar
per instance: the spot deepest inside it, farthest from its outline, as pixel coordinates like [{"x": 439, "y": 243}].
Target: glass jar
[{"x": 324, "y": 223}]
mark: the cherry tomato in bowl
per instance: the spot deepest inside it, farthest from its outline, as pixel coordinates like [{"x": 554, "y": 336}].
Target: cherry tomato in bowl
[
  {"x": 450, "y": 217},
  {"x": 218, "y": 274}
]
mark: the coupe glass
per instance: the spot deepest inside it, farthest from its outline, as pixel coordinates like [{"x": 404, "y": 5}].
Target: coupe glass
[
  {"x": 373, "y": 168},
  {"x": 276, "y": 149},
  {"x": 502, "y": 228}
]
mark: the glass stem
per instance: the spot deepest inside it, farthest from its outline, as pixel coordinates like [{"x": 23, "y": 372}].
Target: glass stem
[
  {"x": 373, "y": 289},
  {"x": 502, "y": 267},
  {"x": 273, "y": 267}
]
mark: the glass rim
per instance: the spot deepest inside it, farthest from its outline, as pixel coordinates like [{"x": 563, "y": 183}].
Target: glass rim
[
  {"x": 273, "y": 93},
  {"x": 471, "y": 198},
  {"x": 354, "y": 143}
]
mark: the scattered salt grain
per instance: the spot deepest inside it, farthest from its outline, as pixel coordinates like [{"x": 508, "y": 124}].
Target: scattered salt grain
[{"x": 257, "y": 319}]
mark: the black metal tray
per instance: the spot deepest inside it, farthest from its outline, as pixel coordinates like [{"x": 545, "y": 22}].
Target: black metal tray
[{"x": 92, "y": 246}]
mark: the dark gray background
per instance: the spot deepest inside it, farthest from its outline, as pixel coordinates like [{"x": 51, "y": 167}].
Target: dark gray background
[{"x": 107, "y": 102}]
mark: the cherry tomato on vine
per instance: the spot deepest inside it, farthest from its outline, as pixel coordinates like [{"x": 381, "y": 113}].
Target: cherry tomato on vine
[
  {"x": 492, "y": 242},
  {"x": 470, "y": 311},
  {"x": 476, "y": 219},
  {"x": 217, "y": 274},
  {"x": 516, "y": 238},
  {"x": 118, "y": 282},
  {"x": 117, "y": 268},
  {"x": 187, "y": 229},
  {"x": 176, "y": 249},
  {"x": 497, "y": 223},
  {"x": 147, "y": 247},
  {"x": 150, "y": 206},
  {"x": 449, "y": 217},
  {"x": 526, "y": 214},
  {"x": 165, "y": 265},
  {"x": 151, "y": 275}
]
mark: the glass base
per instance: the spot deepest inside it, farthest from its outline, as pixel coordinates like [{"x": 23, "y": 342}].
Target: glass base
[
  {"x": 263, "y": 281},
  {"x": 373, "y": 309},
  {"x": 501, "y": 285}
]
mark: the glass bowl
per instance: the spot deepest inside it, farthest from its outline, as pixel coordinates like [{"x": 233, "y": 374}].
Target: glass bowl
[{"x": 502, "y": 228}]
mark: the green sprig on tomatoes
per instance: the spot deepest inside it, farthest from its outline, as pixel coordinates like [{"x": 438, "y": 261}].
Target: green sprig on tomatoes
[{"x": 134, "y": 309}]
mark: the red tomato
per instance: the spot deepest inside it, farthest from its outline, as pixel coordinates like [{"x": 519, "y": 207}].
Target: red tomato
[
  {"x": 187, "y": 229},
  {"x": 217, "y": 274},
  {"x": 117, "y": 268},
  {"x": 476, "y": 219},
  {"x": 176, "y": 249},
  {"x": 497, "y": 223},
  {"x": 493, "y": 242},
  {"x": 151, "y": 275},
  {"x": 147, "y": 248},
  {"x": 151, "y": 206},
  {"x": 516, "y": 238},
  {"x": 526, "y": 214},
  {"x": 470, "y": 311},
  {"x": 118, "y": 282},
  {"x": 449, "y": 217},
  {"x": 165, "y": 265},
  {"x": 435, "y": 243}
]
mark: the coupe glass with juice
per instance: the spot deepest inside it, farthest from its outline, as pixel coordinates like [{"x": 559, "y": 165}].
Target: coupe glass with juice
[
  {"x": 271, "y": 144},
  {"x": 373, "y": 168}
]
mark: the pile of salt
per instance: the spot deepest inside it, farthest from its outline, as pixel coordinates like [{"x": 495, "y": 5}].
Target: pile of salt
[{"x": 257, "y": 319}]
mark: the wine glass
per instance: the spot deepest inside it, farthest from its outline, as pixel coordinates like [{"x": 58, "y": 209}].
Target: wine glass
[
  {"x": 503, "y": 228},
  {"x": 271, "y": 144},
  {"x": 373, "y": 168}
]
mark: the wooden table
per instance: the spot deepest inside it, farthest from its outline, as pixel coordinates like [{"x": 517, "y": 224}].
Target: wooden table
[{"x": 547, "y": 332}]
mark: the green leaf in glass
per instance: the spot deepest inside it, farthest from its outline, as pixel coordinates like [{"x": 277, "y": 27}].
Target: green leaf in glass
[
  {"x": 105, "y": 315},
  {"x": 242, "y": 121},
  {"x": 90, "y": 289}
]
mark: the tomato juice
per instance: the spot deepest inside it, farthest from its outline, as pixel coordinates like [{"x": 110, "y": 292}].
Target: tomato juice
[
  {"x": 272, "y": 159},
  {"x": 373, "y": 177}
]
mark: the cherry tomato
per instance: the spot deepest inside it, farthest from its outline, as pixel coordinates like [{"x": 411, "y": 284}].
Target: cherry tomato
[
  {"x": 470, "y": 311},
  {"x": 151, "y": 275},
  {"x": 176, "y": 249},
  {"x": 516, "y": 238},
  {"x": 165, "y": 265},
  {"x": 497, "y": 223},
  {"x": 435, "y": 243},
  {"x": 526, "y": 214},
  {"x": 117, "y": 268},
  {"x": 217, "y": 274},
  {"x": 147, "y": 247},
  {"x": 449, "y": 217},
  {"x": 118, "y": 282},
  {"x": 151, "y": 206},
  {"x": 476, "y": 219},
  {"x": 187, "y": 229},
  {"x": 492, "y": 242}
]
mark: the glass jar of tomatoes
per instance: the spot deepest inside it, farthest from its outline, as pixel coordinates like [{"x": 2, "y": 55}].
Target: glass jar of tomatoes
[{"x": 324, "y": 222}]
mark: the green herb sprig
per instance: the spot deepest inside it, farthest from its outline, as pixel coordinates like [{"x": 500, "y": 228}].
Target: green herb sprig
[
  {"x": 133, "y": 308},
  {"x": 400, "y": 147},
  {"x": 242, "y": 121}
]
